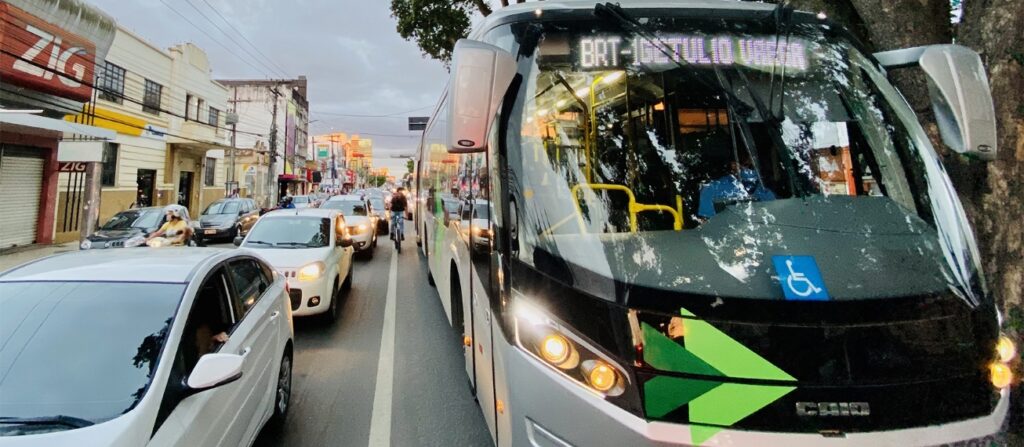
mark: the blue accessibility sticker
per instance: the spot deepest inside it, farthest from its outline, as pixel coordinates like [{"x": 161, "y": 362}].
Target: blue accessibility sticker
[{"x": 800, "y": 278}]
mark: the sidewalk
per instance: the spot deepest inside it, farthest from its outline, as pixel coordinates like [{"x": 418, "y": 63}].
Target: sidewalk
[{"x": 20, "y": 256}]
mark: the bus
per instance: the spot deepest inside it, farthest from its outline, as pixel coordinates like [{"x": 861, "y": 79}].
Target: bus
[{"x": 709, "y": 223}]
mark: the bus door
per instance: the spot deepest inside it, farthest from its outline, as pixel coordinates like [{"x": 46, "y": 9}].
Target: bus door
[{"x": 478, "y": 227}]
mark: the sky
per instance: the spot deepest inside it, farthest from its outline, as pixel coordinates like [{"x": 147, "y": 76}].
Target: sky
[{"x": 354, "y": 59}]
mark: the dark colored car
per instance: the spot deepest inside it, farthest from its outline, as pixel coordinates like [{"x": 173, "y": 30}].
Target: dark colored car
[
  {"x": 379, "y": 209},
  {"x": 129, "y": 229},
  {"x": 227, "y": 218}
]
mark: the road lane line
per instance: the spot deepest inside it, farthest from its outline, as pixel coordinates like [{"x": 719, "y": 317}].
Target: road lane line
[{"x": 380, "y": 422}]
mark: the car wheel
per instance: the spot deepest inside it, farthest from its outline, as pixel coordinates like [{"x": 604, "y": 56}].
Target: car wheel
[
  {"x": 347, "y": 285},
  {"x": 283, "y": 393},
  {"x": 332, "y": 310}
]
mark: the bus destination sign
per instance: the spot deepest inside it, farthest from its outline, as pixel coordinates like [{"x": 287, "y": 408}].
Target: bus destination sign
[{"x": 610, "y": 52}]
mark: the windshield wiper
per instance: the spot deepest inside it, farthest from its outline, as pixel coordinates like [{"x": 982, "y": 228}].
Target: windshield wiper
[
  {"x": 260, "y": 242},
  {"x": 67, "y": 421},
  {"x": 294, "y": 244}
]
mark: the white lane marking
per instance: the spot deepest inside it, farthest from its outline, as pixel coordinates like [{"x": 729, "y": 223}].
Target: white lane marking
[{"x": 380, "y": 423}]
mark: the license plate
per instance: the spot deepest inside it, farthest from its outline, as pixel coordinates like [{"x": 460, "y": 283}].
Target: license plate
[{"x": 211, "y": 231}]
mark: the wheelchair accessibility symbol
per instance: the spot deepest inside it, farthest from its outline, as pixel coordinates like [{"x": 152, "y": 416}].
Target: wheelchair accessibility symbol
[{"x": 800, "y": 278}]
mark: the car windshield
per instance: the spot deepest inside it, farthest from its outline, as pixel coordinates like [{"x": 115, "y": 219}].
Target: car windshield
[
  {"x": 127, "y": 220},
  {"x": 300, "y": 199},
  {"x": 290, "y": 232},
  {"x": 223, "y": 208},
  {"x": 347, "y": 207},
  {"x": 84, "y": 350},
  {"x": 705, "y": 169},
  {"x": 377, "y": 204}
]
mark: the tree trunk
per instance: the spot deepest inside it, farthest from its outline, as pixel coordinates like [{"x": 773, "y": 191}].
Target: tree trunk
[
  {"x": 995, "y": 28},
  {"x": 483, "y": 7}
]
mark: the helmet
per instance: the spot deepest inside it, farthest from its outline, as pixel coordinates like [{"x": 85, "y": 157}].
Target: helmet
[{"x": 177, "y": 211}]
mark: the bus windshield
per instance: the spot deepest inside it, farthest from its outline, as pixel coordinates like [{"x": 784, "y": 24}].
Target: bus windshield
[{"x": 703, "y": 156}]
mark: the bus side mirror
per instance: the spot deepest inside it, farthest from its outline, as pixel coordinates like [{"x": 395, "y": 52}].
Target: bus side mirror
[
  {"x": 481, "y": 74},
  {"x": 960, "y": 95}
]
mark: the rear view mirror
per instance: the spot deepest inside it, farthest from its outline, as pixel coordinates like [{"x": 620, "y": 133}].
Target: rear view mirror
[
  {"x": 343, "y": 241},
  {"x": 214, "y": 370},
  {"x": 481, "y": 74},
  {"x": 960, "y": 95}
]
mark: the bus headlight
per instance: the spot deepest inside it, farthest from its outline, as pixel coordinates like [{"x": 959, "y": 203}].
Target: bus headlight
[
  {"x": 568, "y": 353},
  {"x": 1000, "y": 375},
  {"x": 312, "y": 271},
  {"x": 1006, "y": 349}
]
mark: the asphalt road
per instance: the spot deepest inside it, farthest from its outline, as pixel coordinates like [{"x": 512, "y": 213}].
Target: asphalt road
[{"x": 341, "y": 393}]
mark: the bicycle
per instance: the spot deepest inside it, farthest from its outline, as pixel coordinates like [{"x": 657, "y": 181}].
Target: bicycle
[{"x": 398, "y": 229}]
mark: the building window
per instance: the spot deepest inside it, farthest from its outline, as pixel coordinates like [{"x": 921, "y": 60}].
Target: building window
[
  {"x": 110, "y": 83},
  {"x": 211, "y": 171},
  {"x": 214, "y": 118},
  {"x": 188, "y": 107},
  {"x": 109, "y": 175},
  {"x": 151, "y": 99},
  {"x": 200, "y": 105}
]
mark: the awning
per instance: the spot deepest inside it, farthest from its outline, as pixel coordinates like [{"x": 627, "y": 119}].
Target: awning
[{"x": 35, "y": 124}]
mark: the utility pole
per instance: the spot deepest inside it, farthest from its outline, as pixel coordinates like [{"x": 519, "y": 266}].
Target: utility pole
[
  {"x": 234, "y": 145},
  {"x": 271, "y": 169}
]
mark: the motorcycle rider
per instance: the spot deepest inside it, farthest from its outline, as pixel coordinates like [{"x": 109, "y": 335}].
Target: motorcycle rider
[{"x": 176, "y": 229}]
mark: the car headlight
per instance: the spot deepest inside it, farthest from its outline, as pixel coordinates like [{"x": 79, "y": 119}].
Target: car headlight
[
  {"x": 567, "y": 353},
  {"x": 357, "y": 229},
  {"x": 312, "y": 271},
  {"x": 85, "y": 245},
  {"x": 1000, "y": 372},
  {"x": 134, "y": 241}
]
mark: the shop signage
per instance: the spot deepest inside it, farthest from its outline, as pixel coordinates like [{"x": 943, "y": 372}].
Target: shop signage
[
  {"x": 71, "y": 166},
  {"x": 43, "y": 57}
]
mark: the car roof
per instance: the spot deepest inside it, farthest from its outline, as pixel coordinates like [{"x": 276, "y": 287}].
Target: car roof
[
  {"x": 311, "y": 212},
  {"x": 346, "y": 197},
  {"x": 166, "y": 265}
]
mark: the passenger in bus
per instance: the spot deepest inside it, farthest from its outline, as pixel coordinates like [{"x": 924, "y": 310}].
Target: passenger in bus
[{"x": 740, "y": 183}]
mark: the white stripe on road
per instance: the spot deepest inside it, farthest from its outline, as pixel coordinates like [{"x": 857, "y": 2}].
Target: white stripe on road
[{"x": 380, "y": 423}]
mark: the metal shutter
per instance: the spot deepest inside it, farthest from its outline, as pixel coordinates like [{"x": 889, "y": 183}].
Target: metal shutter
[{"x": 21, "y": 180}]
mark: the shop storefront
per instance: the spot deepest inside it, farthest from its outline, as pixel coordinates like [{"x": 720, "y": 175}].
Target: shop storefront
[{"x": 39, "y": 88}]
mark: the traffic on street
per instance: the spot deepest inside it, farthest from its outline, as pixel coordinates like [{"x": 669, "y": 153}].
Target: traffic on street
[{"x": 694, "y": 223}]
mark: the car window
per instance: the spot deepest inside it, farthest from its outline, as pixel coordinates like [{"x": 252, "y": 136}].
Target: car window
[
  {"x": 85, "y": 350},
  {"x": 212, "y": 313},
  {"x": 249, "y": 283}
]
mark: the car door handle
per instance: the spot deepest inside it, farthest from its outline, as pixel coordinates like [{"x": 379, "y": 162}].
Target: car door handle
[
  {"x": 245, "y": 352},
  {"x": 274, "y": 315}
]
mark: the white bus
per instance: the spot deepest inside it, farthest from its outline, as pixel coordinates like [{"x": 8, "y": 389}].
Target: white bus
[{"x": 709, "y": 223}]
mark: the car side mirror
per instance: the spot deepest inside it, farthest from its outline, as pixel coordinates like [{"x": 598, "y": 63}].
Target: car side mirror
[
  {"x": 214, "y": 370},
  {"x": 343, "y": 241},
  {"x": 238, "y": 241},
  {"x": 242, "y": 212},
  {"x": 959, "y": 92},
  {"x": 481, "y": 74}
]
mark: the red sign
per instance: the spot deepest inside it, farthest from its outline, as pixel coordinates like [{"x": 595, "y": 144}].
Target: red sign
[
  {"x": 43, "y": 57},
  {"x": 71, "y": 166}
]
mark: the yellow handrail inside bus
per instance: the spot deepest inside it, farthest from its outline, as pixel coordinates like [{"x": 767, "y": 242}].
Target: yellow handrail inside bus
[{"x": 634, "y": 206}]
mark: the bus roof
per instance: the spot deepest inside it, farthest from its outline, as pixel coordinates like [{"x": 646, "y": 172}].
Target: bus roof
[{"x": 588, "y": 5}]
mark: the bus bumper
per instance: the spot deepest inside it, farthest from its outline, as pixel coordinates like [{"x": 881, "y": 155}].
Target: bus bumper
[{"x": 546, "y": 410}]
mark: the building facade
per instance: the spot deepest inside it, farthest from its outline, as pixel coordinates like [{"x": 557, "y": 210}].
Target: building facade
[
  {"x": 168, "y": 115},
  {"x": 271, "y": 137},
  {"x": 50, "y": 52}
]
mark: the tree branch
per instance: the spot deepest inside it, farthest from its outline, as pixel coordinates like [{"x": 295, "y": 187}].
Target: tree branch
[{"x": 483, "y": 7}]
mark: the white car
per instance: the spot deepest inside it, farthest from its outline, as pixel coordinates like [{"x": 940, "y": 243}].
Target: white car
[
  {"x": 311, "y": 248},
  {"x": 143, "y": 347},
  {"x": 361, "y": 224},
  {"x": 304, "y": 202}
]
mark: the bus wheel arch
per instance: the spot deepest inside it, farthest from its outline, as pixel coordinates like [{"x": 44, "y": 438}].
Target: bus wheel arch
[{"x": 455, "y": 297}]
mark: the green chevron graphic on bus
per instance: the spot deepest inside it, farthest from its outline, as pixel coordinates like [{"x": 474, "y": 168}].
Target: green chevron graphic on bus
[{"x": 710, "y": 352}]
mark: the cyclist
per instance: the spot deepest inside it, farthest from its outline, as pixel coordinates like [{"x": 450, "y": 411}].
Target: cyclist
[{"x": 398, "y": 205}]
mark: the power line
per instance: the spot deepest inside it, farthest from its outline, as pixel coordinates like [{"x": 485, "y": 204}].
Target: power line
[
  {"x": 213, "y": 38},
  {"x": 389, "y": 115},
  {"x": 240, "y": 33},
  {"x": 215, "y": 25},
  {"x": 114, "y": 93}
]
